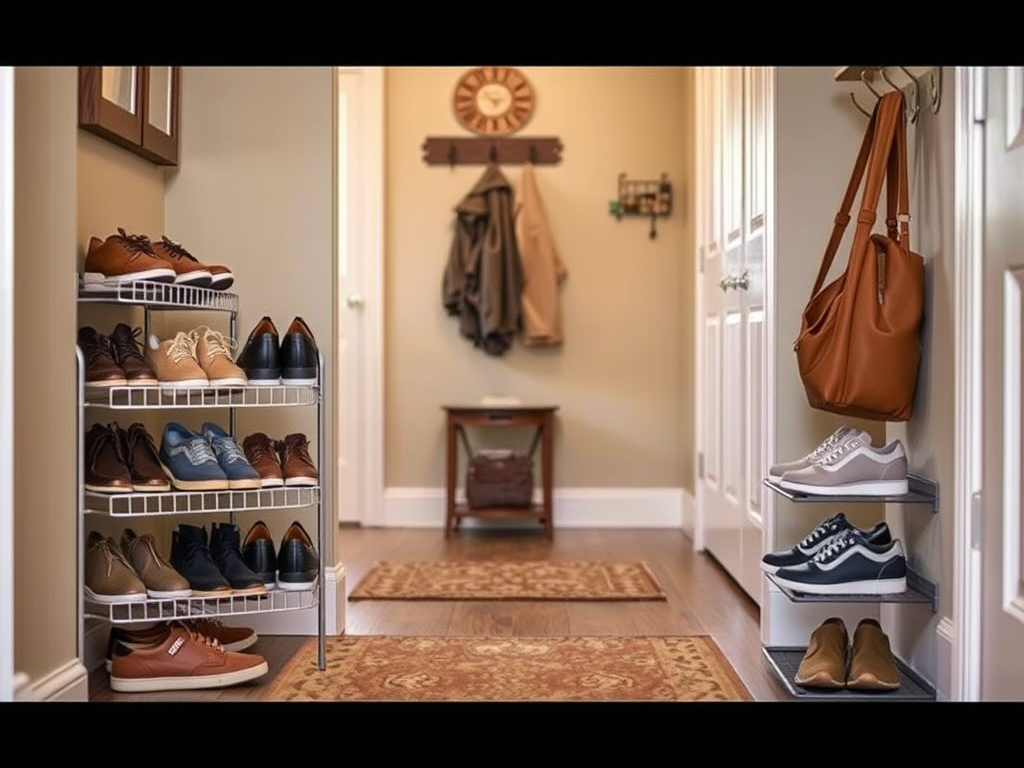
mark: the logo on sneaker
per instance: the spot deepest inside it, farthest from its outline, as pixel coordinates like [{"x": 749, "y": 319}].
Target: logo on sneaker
[{"x": 176, "y": 645}]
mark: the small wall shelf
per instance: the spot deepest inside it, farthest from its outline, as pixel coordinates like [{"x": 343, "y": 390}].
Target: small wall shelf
[
  {"x": 786, "y": 660},
  {"x": 922, "y": 491},
  {"x": 919, "y": 590}
]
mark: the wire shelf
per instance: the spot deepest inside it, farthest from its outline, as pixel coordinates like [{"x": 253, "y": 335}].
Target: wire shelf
[
  {"x": 922, "y": 490},
  {"x": 164, "y": 295},
  {"x": 919, "y": 590},
  {"x": 785, "y": 661},
  {"x": 202, "y": 607},
  {"x": 227, "y": 397},
  {"x": 192, "y": 502}
]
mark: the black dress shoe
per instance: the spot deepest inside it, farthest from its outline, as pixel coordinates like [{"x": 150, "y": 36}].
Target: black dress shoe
[
  {"x": 297, "y": 561},
  {"x": 261, "y": 355},
  {"x": 299, "y": 356},
  {"x": 227, "y": 554},
  {"x": 258, "y": 553},
  {"x": 191, "y": 557}
]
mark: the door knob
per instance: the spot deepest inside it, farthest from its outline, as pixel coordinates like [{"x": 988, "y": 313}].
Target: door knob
[
  {"x": 725, "y": 283},
  {"x": 743, "y": 281},
  {"x": 355, "y": 300}
]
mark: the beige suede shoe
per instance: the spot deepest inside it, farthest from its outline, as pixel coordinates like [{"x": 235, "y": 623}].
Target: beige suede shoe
[
  {"x": 824, "y": 663},
  {"x": 174, "y": 362},
  {"x": 213, "y": 351},
  {"x": 872, "y": 666}
]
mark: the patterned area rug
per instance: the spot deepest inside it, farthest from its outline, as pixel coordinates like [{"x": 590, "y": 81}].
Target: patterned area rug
[
  {"x": 511, "y": 669},
  {"x": 507, "y": 580}
]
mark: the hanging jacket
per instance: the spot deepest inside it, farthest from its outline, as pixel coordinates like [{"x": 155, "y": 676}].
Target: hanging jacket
[
  {"x": 543, "y": 270},
  {"x": 483, "y": 280}
]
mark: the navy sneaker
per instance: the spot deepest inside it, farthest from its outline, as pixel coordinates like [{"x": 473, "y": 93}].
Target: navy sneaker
[
  {"x": 818, "y": 538},
  {"x": 850, "y": 565},
  {"x": 258, "y": 553},
  {"x": 232, "y": 461},
  {"x": 227, "y": 554},
  {"x": 299, "y": 356},
  {"x": 191, "y": 557},
  {"x": 261, "y": 355},
  {"x": 297, "y": 561},
  {"x": 189, "y": 461}
]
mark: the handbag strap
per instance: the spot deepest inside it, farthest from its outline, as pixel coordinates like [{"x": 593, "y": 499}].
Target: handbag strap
[{"x": 876, "y": 147}]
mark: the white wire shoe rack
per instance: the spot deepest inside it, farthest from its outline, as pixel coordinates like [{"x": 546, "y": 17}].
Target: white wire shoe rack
[{"x": 164, "y": 297}]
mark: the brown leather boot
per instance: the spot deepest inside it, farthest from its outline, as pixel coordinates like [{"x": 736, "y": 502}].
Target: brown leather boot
[
  {"x": 105, "y": 468},
  {"x": 143, "y": 460},
  {"x": 296, "y": 464},
  {"x": 824, "y": 663},
  {"x": 872, "y": 666},
  {"x": 101, "y": 370},
  {"x": 260, "y": 451},
  {"x": 127, "y": 350}
]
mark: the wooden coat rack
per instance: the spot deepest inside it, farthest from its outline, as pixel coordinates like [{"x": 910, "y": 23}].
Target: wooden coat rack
[{"x": 462, "y": 150}]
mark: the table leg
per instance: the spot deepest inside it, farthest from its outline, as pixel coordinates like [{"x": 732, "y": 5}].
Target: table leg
[
  {"x": 547, "y": 462},
  {"x": 451, "y": 461}
]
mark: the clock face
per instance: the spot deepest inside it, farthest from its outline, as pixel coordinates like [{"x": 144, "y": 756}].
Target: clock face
[{"x": 493, "y": 100}]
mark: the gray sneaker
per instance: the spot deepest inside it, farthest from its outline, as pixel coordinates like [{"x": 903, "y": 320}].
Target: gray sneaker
[
  {"x": 853, "y": 467},
  {"x": 778, "y": 470}
]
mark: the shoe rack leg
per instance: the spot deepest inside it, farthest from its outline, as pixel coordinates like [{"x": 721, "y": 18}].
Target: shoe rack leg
[
  {"x": 321, "y": 522},
  {"x": 79, "y": 512},
  {"x": 232, "y": 415}
]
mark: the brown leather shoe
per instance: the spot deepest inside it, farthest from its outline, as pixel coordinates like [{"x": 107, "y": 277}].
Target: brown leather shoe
[
  {"x": 872, "y": 666},
  {"x": 143, "y": 459},
  {"x": 260, "y": 451},
  {"x": 297, "y": 466},
  {"x": 185, "y": 264},
  {"x": 232, "y": 638},
  {"x": 127, "y": 351},
  {"x": 213, "y": 351},
  {"x": 824, "y": 663},
  {"x": 101, "y": 370},
  {"x": 183, "y": 660},
  {"x": 161, "y": 580},
  {"x": 122, "y": 258},
  {"x": 105, "y": 468},
  {"x": 108, "y": 576}
]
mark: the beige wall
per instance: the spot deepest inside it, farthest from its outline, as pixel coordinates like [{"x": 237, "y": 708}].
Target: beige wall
[
  {"x": 254, "y": 190},
  {"x": 623, "y": 379},
  {"x": 44, "y": 369}
]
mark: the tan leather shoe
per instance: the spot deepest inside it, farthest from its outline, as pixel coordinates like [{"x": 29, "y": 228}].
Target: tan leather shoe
[
  {"x": 106, "y": 470},
  {"x": 122, "y": 258},
  {"x": 872, "y": 666},
  {"x": 296, "y": 463},
  {"x": 108, "y": 576},
  {"x": 217, "y": 276},
  {"x": 259, "y": 450},
  {"x": 174, "y": 362},
  {"x": 160, "y": 578},
  {"x": 183, "y": 660},
  {"x": 824, "y": 663},
  {"x": 101, "y": 369},
  {"x": 232, "y": 638},
  {"x": 213, "y": 351}
]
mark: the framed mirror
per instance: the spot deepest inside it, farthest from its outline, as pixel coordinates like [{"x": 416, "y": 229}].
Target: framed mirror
[
  {"x": 134, "y": 107},
  {"x": 110, "y": 103}
]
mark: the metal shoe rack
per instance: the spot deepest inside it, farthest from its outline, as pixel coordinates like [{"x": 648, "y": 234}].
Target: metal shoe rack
[
  {"x": 162, "y": 297},
  {"x": 785, "y": 661}
]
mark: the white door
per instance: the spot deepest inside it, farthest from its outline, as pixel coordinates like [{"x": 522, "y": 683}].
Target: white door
[
  {"x": 1002, "y": 614},
  {"x": 732, "y": 114},
  {"x": 358, "y": 368},
  {"x": 6, "y": 383}
]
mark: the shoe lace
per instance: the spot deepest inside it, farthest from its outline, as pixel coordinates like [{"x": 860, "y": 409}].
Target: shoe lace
[
  {"x": 137, "y": 433},
  {"x": 96, "y": 347},
  {"x": 827, "y": 528},
  {"x": 128, "y": 344},
  {"x": 103, "y": 439},
  {"x": 227, "y": 449},
  {"x": 201, "y": 450},
  {"x": 838, "y": 451},
  {"x": 218, "y": 344},
  {"x": 137, "y": 244},
  {"x": 177, "y": 250},
  {"x": 149, "y": 543},
  {"x": 825, "y": 447},
  {"x": 297, "y": 447},
  {"x": 198, "y": 637},
  {"x": 260, "y": 450},
  {"x": 183, "y": 345},
  {"x": 838, "y": 544},
  {"x": 112, "y": 553}
]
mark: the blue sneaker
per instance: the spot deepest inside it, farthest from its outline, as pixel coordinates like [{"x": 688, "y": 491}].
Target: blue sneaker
[
  {"x": 189, "y": 461},
  {"x": 232, "y": 461}
]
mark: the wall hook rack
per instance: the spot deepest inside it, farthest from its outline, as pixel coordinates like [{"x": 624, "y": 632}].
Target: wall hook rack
[
  {"x": 643, "y": 198},
  {"x": 463, "y": 150},
  {"x": 922, "y": 88}
]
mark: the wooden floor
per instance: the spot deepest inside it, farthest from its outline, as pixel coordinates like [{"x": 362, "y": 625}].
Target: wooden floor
[{"x": 702, "y": 599}]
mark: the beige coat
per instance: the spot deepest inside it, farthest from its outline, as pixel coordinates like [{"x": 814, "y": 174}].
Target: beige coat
[{"x": 543, "y": 271}]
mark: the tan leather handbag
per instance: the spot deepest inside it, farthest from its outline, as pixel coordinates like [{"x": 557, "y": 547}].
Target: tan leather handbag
[{"x": 859, "y": 345}]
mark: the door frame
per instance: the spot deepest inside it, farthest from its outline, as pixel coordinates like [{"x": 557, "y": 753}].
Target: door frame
[
  {"x": 359, "y": 420},
  {"x": 6, "y": 383},
  {"x": 969, "y": 204}
]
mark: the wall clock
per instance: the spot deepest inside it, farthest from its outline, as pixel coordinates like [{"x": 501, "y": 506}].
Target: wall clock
[{"x": 494, "y": 101}]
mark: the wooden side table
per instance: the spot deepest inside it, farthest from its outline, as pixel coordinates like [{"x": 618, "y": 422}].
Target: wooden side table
[{"x": 461, "y": 416}]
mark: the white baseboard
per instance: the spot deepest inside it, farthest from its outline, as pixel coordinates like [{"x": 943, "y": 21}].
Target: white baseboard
[
  {"x": 68, "y": 682},
  {"x": 689, "y": 522},
  {"x": 408, "y": 507},
  {"x": 302, "y": 622},
  {"x": 945, "y": 632}
]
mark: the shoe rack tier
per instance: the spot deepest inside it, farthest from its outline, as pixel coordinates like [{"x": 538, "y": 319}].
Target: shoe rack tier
[
  {"x": 275, "y": 396},
  {"x": 161, "y": 295},
  {"x": 272, "y": 601},
  {"x": 921, "y": 491},
  {"x": 194, "y": 502},
  {"x": 786, "y": 661},
  {"x": 919, "y": 590}
]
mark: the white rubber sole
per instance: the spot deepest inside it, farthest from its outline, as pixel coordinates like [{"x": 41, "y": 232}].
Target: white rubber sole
[
  {"x": 218, "y": 593},
  {"x": 135, "y": 597},
  {"x": 272, "y": 482},
  {"x": 143, "y": 383},
  {"x": 866, "y": 488},
  {"x": 241, "y": 645},
  {"x": 869, "y": 587},
  {"x": 774, "y": 478},
  {"x": 195, "y": 485},
  {"x": 301, "y": 482},
  {"x": 186, "y": 682},
  {"x": 108, "y": 488},
  {"x": 264, "y": 382},
  {"x": 232, "y": 382},
  {"x": 191, "y": 278},
  {"x": 107, "y": 384},
  {"x": 152, "y": 488},
  {"x": 245, "y": 485},
  {"x": 769, "y": 568},
  {"x": 186, "y": 384},
  {"x": 173, "y": 594},
  {"x": 295, "y": 586},
  {"x": 298, "y": 382},
  {"x": 260, "y": 590},
  {"x": 97, "y": 281}
]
